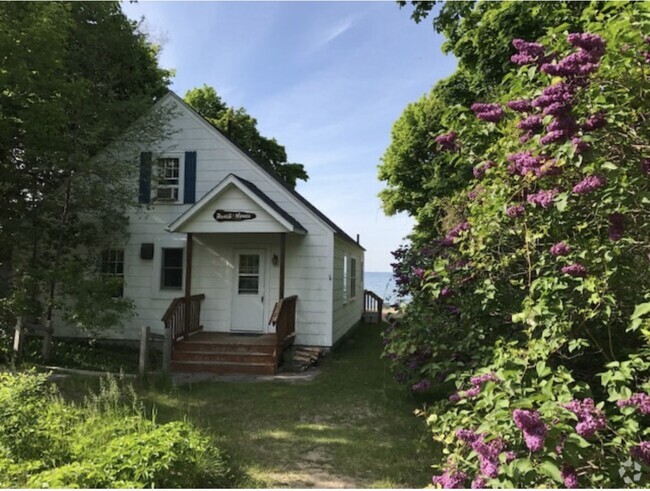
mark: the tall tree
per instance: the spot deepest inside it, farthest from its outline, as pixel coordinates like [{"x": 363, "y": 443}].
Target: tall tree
[
  {"x": 75, "y": 77},
  {"x": 241, "y": 128}
]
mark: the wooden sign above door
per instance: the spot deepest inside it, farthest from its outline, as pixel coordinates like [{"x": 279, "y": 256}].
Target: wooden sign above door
[{"x": 233, "y": 216}]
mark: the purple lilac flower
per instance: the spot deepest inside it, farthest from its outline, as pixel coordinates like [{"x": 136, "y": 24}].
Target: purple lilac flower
[
  {"x": 645, "y": 167},
  {"x": 595, "y": 121},
  {"x": 418, "y": 273},
  {"x": 590, "y": 418},
  {"x": 479, "y": 380},
  {"x": 531, "y": 123},
  {"x": 451, "y": 479},
  {"x": 543, "y": 198},
  {"x": 527, "y": 52},
  {"x": 473, "y": 392},
  {"x": 578, "y": 64},
  {"x": 446, "y": 292},
  {"x": 616, "y": 226},
  {"x": 455, "y": 232},
  {"x": 560, "y": 249},
  {"x": 447, "y": 141},
  {"x": 510, "y": 456},
  {"x": 589, "y": 184},
  {"x": 523, "y": 163},
  {"x": 454, "y": 397},
  {"x": 480, "y": 170},
  {"x": 421, "y": 386},
  {"x": 570, "y": 477},
  {"x": 487, "y": 112},
  {"x": 576, "y": 269},
  {"x": 521, "y": 105},
  {"x": 638, "y": 399},
  {"x": 553, "y": 137},
  {"x": 488, "y": 455},
  {"x": 579, "y": 145},
  {"x": 515, "y": 211},
  {"x": 532, "y": 426},
  {"x": 467, "y": 436},
  {"x": 479, "y": 482},
  {"x": 558, "y": 97},
  {"x": 473, "y": 194},
  {"x": 592, "y": 43},
  {"x": 641, "y": 452}
]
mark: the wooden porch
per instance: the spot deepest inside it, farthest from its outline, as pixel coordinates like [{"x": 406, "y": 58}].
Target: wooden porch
[{"x": 188, "y": 348}]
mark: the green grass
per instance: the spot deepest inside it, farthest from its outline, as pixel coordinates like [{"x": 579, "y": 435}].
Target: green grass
[{"x": 350, "y": 426}]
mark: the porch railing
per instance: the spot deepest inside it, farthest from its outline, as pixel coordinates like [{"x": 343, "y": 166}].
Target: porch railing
[
  {"x": 284, "y": 320},
  {"x": 175, "y": 318},
  {"x": 373, "y": 303}
]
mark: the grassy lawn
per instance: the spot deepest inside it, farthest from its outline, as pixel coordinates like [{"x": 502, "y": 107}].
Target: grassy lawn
[{"x": 352, "y": 426}]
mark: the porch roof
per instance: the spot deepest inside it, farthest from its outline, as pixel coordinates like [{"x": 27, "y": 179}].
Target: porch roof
[{"x": 246, "y": 199}]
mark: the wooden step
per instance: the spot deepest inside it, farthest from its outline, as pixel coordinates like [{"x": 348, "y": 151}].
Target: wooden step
[
  {"x": 217, "y": 347},
  {"x": 224, "y": 368},
  {"x": 227, "y": 356}
]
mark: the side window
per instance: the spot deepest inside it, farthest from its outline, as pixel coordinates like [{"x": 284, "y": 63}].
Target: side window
[
  {"x": 171, "y": 277},
  {"x": 169, "y": 174},
  {"x": 345, "y": 278},
  {"x": 353, "y": 277},
  {"x": 113, "y": 266}
]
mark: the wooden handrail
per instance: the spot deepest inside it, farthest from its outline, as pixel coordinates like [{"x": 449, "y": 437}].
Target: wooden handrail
[
  {"x": 284, "y": 320},
  {"x": 373, "y": 303},
  {"x": 174, "y": 317}
]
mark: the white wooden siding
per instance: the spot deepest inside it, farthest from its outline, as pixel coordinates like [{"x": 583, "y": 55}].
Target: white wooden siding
[{"x": 346, "y": 311}]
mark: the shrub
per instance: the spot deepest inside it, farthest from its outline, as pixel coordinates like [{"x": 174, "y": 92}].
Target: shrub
[
  {"x": 108, "y": 442},
  {"x": 535, "y": 302}
]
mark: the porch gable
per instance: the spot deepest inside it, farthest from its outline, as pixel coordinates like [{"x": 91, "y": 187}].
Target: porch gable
[{"x": 236, "y": 205}]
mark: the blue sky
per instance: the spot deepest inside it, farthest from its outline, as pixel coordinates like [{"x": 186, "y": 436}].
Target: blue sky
[{"x": 326, "y": 79}]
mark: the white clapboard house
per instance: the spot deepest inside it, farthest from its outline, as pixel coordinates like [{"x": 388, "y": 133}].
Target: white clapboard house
[{"x": 231, "y": 260}]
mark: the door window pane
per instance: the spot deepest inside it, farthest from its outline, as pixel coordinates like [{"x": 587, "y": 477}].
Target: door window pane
[{"x": 249, "y": 274}]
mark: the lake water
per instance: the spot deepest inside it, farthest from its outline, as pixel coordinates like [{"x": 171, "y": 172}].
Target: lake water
[{"x": 382, "y": 284}]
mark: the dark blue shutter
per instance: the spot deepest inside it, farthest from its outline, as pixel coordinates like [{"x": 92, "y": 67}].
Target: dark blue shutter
[
  {"x": 189, "y": 196},
  {"x": 144, "y": 195}
]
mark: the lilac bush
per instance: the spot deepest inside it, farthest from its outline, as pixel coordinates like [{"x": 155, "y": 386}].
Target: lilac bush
[{"x": 534, "y": 313}]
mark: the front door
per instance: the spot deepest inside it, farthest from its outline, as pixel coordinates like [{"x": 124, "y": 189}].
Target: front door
[{"x": 248, "y": 297}]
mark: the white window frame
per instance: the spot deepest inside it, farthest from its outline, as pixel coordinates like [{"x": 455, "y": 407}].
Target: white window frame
[
  {"x": 111, "y": 260},
  {"x": 345, "y": 278},
  {"x": 353, "y": 278},
  {"x": 162, "y": 267},
  {"x": 179, "y": 186}
]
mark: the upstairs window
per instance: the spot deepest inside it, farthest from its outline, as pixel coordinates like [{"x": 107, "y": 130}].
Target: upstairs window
[
  {"x": 169, "y": 179},
  {"x": 113, "y": 267},
  {"x": 171, "y": 276}
]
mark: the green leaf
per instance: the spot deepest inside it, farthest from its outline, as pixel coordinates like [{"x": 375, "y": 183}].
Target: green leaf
[
  {"x": 641, "y": 310},
  {"x": 550, "y": 469}
]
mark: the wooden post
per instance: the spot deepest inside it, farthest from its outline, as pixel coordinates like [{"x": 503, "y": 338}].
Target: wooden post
[
  {"x": 188, "y": 282},
  {"x": 19, "y": 338},
  {"x": 167, "y": 351},
  {"x": 143, "y": 364},
  {"x": 46, "y": 348},
  {"x": 283, "y": 247}
]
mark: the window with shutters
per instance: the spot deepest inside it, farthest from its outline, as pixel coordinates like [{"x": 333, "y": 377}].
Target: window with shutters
[{"x": 169, "y": 179}]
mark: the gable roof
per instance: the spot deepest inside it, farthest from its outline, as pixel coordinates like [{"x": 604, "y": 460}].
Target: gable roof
[
  {"x": 248, "y": 189},
  {"x": 268, "y": 170}
]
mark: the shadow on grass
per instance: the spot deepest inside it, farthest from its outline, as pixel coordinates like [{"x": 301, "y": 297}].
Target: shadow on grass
[{"x": 353, "y": 425}]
